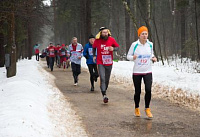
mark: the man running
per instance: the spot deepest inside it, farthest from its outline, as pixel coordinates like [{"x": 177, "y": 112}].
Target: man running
[
  {"x": 51, "y": 51},
  {"x": 57, "y": 55},
  {"x": 63, "y": 55},
  {"x": 105, "y": 45},
  {"x": 76, "y": 50},
  {"x": 92, "y": 66}
]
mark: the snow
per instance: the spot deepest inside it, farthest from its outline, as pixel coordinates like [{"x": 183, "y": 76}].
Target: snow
[{"x": 30, "y": 105}]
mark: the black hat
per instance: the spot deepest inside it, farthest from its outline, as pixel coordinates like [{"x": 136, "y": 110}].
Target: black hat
[
  {"x": 102, "y": 28},
  {"x": 91, "y": 36}
]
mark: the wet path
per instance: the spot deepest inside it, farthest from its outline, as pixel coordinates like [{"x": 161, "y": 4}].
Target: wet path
[{"x": 116, "y": 119}]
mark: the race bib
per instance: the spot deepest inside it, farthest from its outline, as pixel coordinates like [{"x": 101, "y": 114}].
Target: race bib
[
  {"x": 143, "y": 59},
  {"x": 90, "y": 51},
  {"x": 75, "y": 54},
  {"x": 51, "y": 52},
  {"x": 63, "y": 53},
  {"x": 107, "y": 59}
]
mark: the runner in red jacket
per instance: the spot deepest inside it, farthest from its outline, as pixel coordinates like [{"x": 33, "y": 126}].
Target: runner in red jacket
[
  {"x": 105, "y": 45},
  {"x": 51, "y": 51},
  {"x": 63, "y": 55},
  {"x": 57, "y": 57}
]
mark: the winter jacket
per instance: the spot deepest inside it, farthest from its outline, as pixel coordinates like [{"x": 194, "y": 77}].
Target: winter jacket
[
  {"x": 88, "y": 53},
  {"x": 36, "y": 49},
  {"x": 105, "y": 57},
  {"x": 142, "y": 64},
  {"x": 75, "y": 52},
  {"x": 51, "y": 51}
]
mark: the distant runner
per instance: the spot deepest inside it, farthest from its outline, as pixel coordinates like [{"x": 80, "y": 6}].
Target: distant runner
[
  {"x": 51, "y": 51},
  {"x": 76, "y": 50},
  {"x": 37, "y": 51},
  {"x": 63, "y": 55},
  {"x": 92, "y": 66},
  {"x": 57, "y": 54}
]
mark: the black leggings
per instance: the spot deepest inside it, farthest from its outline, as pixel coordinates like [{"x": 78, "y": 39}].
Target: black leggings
[
  {"x": 51, "y": 62},
  {"x": 93, "y": 73},
  {"x": 137, "y": 79},
  {"x": 37, "y": 57},
  {"x": 76, "y": 70}
]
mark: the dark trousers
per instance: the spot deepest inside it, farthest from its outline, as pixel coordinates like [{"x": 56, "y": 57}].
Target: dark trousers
[
  {"x": 93, "y": 73},
  {"x": 47, "y": 59},
  {"x": 51, "y": 62},
  {"x": 137, "y": 79},
  {"x": 104, "y": 73},
  {"x": 37, "y": 57},
  {"x": 76, "y": 70}
]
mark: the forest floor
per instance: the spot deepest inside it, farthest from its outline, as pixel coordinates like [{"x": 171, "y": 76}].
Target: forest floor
[{"x": 116, "y": 119}]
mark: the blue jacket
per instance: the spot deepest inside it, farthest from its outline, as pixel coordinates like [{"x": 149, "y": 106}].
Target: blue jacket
[{"x": 88, "y": 53}]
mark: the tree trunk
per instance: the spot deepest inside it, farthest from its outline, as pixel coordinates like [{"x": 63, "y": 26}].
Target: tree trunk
[
  {"x": 88, "y": 20},
  {"x": 164, "y": 34},
  {"x": 197, "y": 34},
  {"x": 30, "y": 47},
  {"x": 54, "y": 22},
  {"x": 127, "y": 28},
  {"x": 130, "y": 14},
  {"x": 11, "y": 48},
  {"x": 2, "y": 50},
  {"x": 183, "y": 52},
  {"x": 83, "y": 22},
  {"x": 154, "y": 22}
]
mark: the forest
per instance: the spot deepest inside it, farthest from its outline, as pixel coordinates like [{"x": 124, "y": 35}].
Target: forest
[{"x": 173, "y": 26}]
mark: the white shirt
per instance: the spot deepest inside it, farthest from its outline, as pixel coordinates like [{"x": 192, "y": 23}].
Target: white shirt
[{"x": 142, "y": 64}]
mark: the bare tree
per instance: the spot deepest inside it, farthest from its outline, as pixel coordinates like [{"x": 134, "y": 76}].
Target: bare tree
[
  {"x": 197, "y": 34},
  {"x": 127, "y": 28}
]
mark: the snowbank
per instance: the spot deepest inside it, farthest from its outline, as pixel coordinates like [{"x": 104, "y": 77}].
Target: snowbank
[
  {"x": 176, "y": 83},
  {"x": 30, "y": 105}
]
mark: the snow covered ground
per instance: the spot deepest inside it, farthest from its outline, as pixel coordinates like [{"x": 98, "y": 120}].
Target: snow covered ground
[
  {"x": 30, "y": 105},
  {"x": 177, "y": 81}
]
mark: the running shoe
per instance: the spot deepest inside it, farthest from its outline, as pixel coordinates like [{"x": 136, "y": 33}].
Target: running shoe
[
  {"x": 148, "y": 113},
  {"x": 137, "y": 112},
  {"x": 105, "y": 99}
]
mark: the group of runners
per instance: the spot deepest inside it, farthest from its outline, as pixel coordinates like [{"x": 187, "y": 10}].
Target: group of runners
[{"x": 99, "y": 59}]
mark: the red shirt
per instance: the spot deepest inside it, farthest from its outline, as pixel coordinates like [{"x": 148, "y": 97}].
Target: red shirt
[
  {"x": 104, "y": 56},
  {"x": 58, "y": 50},
  {"x": 37, "y": 51},
  {"x": 52, "y": 50},
  {"x": 74, "y": 47}
]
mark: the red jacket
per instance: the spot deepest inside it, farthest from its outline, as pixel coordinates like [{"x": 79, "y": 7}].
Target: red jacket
[
  {"x": 104, "y": 56},
  {"x": 51, "y": 51}
]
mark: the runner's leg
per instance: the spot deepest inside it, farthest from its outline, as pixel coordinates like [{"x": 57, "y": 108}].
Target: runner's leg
[
  {"x": 148, "y": 83},
  {"x": 137, "y": 84}
]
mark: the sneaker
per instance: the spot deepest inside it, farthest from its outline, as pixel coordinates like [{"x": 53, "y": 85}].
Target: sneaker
[
  {"x": 75, "y": 84},
  {"x": 105, "y": 99},
  {"x": 137, "y": 112},
  {"x": 92, "y": 89},
  {"x": 148, "y": 113}
]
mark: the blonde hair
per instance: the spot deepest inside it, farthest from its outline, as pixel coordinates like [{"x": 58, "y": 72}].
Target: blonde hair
[{"x": 99, "y": 34}]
